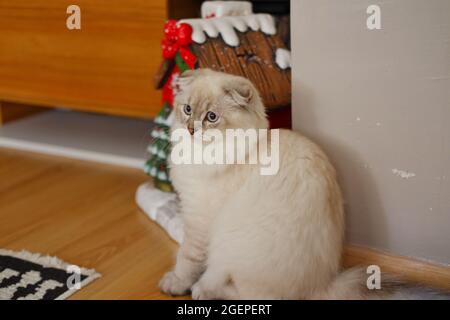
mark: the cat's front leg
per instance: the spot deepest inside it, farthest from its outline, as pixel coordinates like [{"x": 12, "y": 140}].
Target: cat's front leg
[{"x": 189, "y": 266}]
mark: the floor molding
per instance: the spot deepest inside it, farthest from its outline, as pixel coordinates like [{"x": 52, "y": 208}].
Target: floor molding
[
  {"x": 82, "y": 136},
  {"x": 411, "y": 269}
]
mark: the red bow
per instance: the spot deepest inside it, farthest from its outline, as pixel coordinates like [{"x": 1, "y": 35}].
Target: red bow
[{"x": 177, "y": 37}]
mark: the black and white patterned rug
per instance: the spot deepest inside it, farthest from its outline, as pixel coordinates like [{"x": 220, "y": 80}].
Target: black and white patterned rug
[{"x": 28, "y": 276}]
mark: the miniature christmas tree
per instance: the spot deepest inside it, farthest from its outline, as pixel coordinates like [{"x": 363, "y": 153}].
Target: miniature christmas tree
[
  {"x": 178, "y": 58},
  {"x": 156, "y": 166}
]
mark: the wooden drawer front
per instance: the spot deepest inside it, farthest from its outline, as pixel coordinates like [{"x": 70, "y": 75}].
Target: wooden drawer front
[{"x": 107, "y": 66}]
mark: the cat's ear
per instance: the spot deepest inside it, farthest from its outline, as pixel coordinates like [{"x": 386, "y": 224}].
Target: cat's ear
[
  {"x": 185, "y": 79},
  {"x": 188, "y": 74},
  {"x": 240, "y": 90}
]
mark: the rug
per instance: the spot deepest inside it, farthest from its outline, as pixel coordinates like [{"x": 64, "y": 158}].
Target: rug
[{"x": 29, "y": 276}]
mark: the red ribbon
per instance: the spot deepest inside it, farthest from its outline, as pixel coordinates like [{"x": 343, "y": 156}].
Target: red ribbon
[
  {"x": 177, "y": 36},
  {"x": 188, "y": 57}
]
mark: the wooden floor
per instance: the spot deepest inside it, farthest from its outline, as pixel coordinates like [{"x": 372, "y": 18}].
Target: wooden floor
[{"x": 85, "y": 214}]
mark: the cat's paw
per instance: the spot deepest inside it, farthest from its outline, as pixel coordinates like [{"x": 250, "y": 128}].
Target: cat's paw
[
  {"x": 173, "y": 285},
  {"x": 198, "y": 292}
]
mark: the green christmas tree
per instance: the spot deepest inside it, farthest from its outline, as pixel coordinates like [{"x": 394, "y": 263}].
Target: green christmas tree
[{"x": 159, "y": 150}]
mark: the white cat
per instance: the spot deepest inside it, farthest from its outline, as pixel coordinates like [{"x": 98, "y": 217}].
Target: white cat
[{"x": 249, "y": 236}]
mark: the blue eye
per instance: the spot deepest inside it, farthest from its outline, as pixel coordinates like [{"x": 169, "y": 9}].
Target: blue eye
[
  {"x": 211, "y": 116},
  {"x": 187, "y": 109}
]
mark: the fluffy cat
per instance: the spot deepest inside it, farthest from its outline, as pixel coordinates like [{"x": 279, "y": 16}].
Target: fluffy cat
[{"x": 249, "y": 236}]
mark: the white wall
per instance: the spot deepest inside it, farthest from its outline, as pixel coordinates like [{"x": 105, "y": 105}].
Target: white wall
[{"x": 378, "y": 101}]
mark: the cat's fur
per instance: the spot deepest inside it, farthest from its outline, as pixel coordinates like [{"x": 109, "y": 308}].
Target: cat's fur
[{"x": 249, "y": 236}]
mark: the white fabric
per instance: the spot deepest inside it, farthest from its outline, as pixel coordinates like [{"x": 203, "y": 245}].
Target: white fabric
[{"x": 161, "y": 207}]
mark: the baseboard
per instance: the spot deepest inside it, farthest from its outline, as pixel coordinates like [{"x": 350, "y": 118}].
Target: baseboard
[
  {"x": 408, "y": 268},
  {"x": 91, "y": 137}
]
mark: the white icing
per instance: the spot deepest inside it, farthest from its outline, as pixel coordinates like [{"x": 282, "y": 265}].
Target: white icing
[
  {"x": 226, "y": 8},
  {"x": 227, "y": 26},
  {"x": 283, "y": 58},
  {"x": 160, "y": 134}
]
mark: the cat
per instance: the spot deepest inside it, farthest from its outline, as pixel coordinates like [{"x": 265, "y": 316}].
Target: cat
[{"x": 253, "y": 236}]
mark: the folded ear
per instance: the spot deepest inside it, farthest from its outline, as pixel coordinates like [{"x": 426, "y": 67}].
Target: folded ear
[
  {"x": 188, "y": 74},
  {"x": 184, "y": 80},
  {"x": 240, "y": 90},
  {"x": 186, "y": 77}
]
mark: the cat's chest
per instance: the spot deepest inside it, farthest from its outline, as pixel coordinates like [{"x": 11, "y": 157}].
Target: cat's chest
[{"x": 204, "y": 191}]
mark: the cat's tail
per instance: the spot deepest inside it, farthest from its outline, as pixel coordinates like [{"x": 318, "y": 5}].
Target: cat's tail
[{"x": 351, "y": 284}]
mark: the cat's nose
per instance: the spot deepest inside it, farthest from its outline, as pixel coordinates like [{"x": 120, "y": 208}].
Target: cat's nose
[{"x": 191, "y": 130}]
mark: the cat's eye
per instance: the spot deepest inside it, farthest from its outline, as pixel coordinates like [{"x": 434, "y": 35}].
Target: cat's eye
[
  {"x": 187, "y": 109},
  {"x": 211, "y": 116}
]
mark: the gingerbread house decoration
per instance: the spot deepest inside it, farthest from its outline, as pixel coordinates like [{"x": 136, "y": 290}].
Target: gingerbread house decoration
[
  {"x": 246, "y": 45},
  {"x": 228, "y": 38}
]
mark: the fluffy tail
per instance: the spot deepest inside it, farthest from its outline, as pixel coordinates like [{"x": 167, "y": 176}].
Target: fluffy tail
[{"x": 352, "y": 285}]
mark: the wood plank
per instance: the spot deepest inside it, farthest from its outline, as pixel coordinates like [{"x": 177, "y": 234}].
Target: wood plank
[
  {"x": 84, "y": 213},
  {"x": 107, "y": 66}
]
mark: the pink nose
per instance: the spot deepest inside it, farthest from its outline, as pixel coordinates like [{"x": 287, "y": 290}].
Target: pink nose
[{"x": 191, "y": 130}]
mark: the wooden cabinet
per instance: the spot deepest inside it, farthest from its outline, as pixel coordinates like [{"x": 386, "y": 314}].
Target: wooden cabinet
[{"x": 107, "y": 66}]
